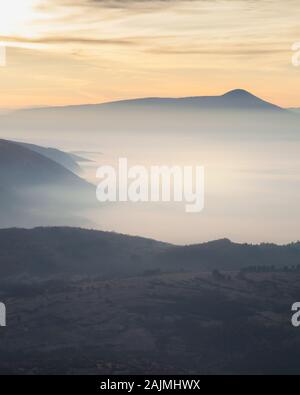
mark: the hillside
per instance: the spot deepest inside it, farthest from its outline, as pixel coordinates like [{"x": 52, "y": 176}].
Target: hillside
[
  {"x": 44, "y": 253},
  {"x": 69, "y": 161},
  {"x": 113, "y": 296},
  {"x": 186, "y": 323},
  {"x": 36, "y": 188},
  {"x": 226, "y": 255}
]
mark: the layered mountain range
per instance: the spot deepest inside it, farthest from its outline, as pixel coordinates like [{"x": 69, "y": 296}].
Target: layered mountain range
[{"x": 36, "y": 188}]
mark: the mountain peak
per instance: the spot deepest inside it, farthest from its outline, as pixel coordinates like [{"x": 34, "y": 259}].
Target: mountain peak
[
  {"x": 238, "y": 93},
  {"x": 242, "y": 99}
]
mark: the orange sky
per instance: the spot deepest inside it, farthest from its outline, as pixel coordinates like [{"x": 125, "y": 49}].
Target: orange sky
[{"x": 85, "y": 51}]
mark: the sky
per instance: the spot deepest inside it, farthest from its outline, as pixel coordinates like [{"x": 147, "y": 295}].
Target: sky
[{"x": 61, "y": 52}]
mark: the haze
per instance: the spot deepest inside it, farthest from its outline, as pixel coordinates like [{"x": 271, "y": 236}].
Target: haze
[{"x": 61, "y": 53}]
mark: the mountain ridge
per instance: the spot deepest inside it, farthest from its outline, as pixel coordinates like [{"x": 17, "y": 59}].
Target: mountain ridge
[
  {"x": 66, "y": 160},
  {"x": 35, "y": 189},
  {"x": 235, "y": 93},
  {"x": 234, "y": 113},
  {"x": 57, "y": 252}
]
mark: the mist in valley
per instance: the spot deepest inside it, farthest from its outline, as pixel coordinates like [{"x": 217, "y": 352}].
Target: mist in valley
[{"x": 249, "y": 149}]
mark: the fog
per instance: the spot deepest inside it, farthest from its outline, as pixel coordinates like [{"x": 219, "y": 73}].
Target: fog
[
  {"x": 248, "y": 147},
  {"x": 251, "y": 185}
]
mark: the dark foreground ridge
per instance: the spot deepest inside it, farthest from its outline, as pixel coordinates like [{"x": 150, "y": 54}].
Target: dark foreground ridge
[
  {"x": 64, "y": 252},
  {"x": 89, "y": 302}
]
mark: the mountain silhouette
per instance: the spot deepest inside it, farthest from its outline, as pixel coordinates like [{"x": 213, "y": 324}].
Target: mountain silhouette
[
  {"x": 66, "y": 252},
  {"x": 237, "y": 110},
  {"x": 235, "y": 99},
  {"x": 20, "y": 165},
  {"x": 69, "y": 161},
  {"x": 35, "y": 188}
]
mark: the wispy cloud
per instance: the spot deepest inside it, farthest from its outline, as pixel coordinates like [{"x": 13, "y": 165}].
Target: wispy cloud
[
  {"x": 230, "y": 51},
  {"x": 142, "y": 4},
  {"x": 67, "y": 40}
]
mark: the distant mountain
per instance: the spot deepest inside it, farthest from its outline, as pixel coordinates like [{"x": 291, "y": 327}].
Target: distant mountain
[
  {"x": 69, "y": 161},
  {"x": 36, "y": 189},
  {"x": 45, "y": 253},
  {"x": 237, "y": 99},
  {"x": 226, "y": 255},
  {"x": 235, "y": 111},
  {"x": 21, "y": 165}
]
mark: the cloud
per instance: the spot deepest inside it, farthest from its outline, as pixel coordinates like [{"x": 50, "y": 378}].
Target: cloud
[
  {"x": 122, "y": 3},
  {"x": 67, "y": 40},
  {"x": 116, "y": 49},
  {"x": 129, "y": 5},
  {"x": 217, "y": 51},
  {"x": 162, "y": 27}
]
